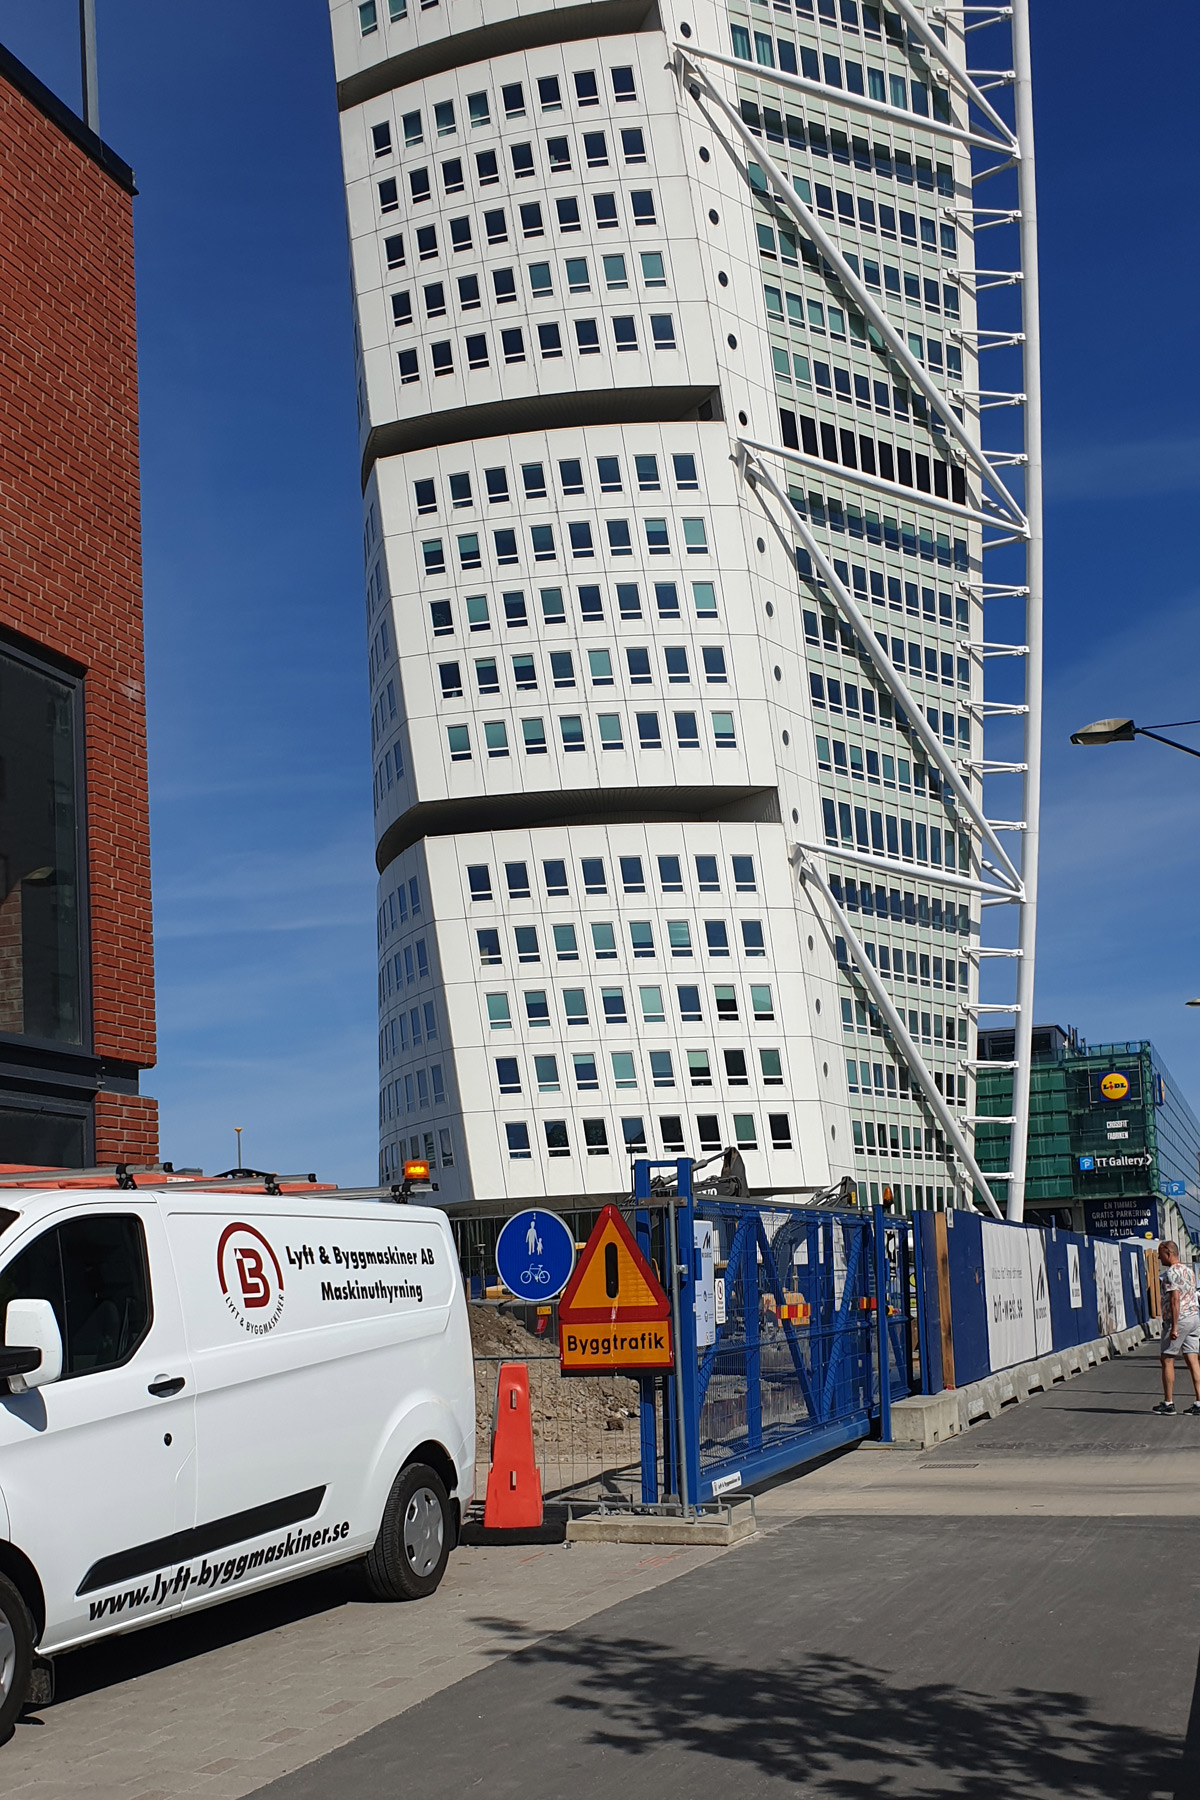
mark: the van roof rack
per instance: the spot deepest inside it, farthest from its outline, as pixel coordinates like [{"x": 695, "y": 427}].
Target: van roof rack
[{"x": 128, "y": 1177}]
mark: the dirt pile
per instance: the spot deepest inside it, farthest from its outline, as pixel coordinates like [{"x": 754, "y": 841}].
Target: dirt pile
[{"x": 569, "y": 1412}]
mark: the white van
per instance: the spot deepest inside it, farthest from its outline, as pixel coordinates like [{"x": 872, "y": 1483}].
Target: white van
[{"x": 203, "y": 1394}]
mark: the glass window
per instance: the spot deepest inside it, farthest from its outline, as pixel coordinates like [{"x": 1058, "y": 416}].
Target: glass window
[
  {"x": 517, "y": 1136},
  {"x": 508, "y": 1075},
  {"x": 41, "y": 990},
  {"x": 679, "y": 936},
  {"x": 555, "y": 875},
  {"x": 545, "y": 1070},
  {"x": 557, "y": 1141},
  {"x": 604, "y": 941},
  {"x": 489, "y": 946},
  {"x": 499, "y": 1018},
  {"x": 575, "y": 1006},
  {"x": 586, "y": 1075},
  {"x": 93, "y": 1272},
  {"x": 716, "y": 937},
  {"x": 614, "y": 1005},
  {"x": 744, "y": 1132},
  {"x": 595, "y": 1136},
  {"x": 565, "y": 947},
  {"x": 699, "y": 1069},
  {"x": 537, "y": 1009},
  {"x": 641, "y": 937},
  {"x": 651, "y": 1001},
  {"x": 707, "y": 874},
  {"x": 624, "y": 1074},
  {"x": 615, "y": 278},
  {"x": 670, "y": 878}
]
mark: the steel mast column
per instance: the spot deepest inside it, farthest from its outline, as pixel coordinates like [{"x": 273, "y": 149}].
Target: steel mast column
[
  {"x": 647, "y": 1415},
  {"x": 1027, "y": 192}
]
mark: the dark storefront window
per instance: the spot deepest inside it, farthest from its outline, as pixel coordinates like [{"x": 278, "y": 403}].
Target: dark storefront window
[{"x": 41, "y": 995}]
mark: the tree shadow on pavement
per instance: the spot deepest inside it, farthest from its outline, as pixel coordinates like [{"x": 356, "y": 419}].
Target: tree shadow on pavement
[{"x": 833, "y": 1726}]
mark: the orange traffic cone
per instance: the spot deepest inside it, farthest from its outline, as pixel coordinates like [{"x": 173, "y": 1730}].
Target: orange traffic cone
[{"x": 514, "y": 1493}]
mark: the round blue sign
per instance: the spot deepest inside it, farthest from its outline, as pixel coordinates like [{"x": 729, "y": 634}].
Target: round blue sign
[{"x": 535, "y": 1254}]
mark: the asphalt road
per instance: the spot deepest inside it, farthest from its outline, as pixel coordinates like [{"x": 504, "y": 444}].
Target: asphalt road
[{"x": 887, "y": 1655}]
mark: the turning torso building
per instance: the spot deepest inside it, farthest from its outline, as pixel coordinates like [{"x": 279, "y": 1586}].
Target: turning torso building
[{"x": 668, "y": 396}]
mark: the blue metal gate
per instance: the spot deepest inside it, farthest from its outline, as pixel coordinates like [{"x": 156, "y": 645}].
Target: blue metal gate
[{"x": 810, "y": 1306}]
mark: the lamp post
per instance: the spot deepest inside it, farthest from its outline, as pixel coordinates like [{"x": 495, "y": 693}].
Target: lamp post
[{"x": 1123, "y": 731}]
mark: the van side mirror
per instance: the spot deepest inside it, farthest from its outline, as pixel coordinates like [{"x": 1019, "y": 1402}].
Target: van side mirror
[{"x": 32, "y": 1354}]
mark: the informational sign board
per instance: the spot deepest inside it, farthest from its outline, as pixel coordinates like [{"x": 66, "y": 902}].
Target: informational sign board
[
  {"x": 1008, "y": 1291},
  {"x": 614, "y": 1313},
  {"x": 1136, "y": 1216},
  {"x": 1042, "y": 1330},
  {"x": 1110, "y": 1290},
  {"x": 706, "y": 1299},
  {"x": 535, "y": 1254},
  {"x": 1074, "y": 1280}
]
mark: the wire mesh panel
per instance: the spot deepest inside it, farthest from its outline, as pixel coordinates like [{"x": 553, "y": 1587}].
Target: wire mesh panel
[{"x": 585, "y": 1429}]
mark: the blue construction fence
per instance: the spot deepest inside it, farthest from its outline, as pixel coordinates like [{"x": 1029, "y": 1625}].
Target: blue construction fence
[
  {"x": 793, "y": 1329},
  {"x": 991, "y": 1295}
]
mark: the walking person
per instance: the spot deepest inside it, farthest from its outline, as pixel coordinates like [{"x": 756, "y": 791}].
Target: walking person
[{"x": 1180, "y": 1325}]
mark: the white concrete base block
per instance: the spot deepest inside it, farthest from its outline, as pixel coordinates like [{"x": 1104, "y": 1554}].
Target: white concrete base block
[{"x": 927, "y": 1419}]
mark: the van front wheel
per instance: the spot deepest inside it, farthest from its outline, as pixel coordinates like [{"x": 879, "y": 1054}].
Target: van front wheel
[
  {"x": 409, "y": 1555},
  {"x": 16, "y": 1655}
]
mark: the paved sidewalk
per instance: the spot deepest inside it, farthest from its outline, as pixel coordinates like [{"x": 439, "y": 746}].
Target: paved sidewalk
[
  {"x": 985, "y": 1623},
  {"x": 227, "y": 1700},
  {"x": 982, "y": 1619}
]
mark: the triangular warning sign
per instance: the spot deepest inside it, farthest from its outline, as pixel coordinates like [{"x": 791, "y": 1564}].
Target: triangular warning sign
[{"x": 613, "y": 1313}]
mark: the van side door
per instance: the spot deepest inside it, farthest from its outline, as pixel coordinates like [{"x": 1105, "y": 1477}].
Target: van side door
[{"x": 99, "y": 1467}]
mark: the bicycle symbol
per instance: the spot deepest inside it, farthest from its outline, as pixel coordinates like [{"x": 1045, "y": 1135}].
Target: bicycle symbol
[{"x": 535, "y": 1274}]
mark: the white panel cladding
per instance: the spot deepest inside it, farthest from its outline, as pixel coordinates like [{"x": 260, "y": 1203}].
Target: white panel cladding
[
  {"x": 660, "y": 959},
  {"x": 554, "y": 240},
  {"x": 795, "y": 749},
  {"x": 662, "y": 632}
]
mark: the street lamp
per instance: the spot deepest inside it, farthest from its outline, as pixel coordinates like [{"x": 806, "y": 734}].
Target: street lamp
[{"x": 1123, "y": 731}]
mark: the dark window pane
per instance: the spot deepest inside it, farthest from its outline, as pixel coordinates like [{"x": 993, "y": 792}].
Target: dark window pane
[{"x": 40, "y": 993}]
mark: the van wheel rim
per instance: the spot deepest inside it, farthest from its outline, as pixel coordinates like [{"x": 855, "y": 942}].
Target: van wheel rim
[
  {"x": 8, "y": 1657},
  {"x": 423, "y": 1530}
]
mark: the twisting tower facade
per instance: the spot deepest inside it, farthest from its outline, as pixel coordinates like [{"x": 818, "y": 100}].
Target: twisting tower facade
[{"x": 701, "y": 490}]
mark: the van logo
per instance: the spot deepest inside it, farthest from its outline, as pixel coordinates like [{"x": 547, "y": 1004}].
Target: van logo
[{"x": 251, "y": 1278}]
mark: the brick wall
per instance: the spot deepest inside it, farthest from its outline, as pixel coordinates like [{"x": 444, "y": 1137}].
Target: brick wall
[{"x": 70, "y": 545}]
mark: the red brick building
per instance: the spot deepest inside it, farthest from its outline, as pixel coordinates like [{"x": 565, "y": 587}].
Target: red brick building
[{"x": 76, "y": 953}]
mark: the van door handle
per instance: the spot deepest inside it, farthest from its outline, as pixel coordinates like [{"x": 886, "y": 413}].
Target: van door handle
[{"x": 162, "y": 1385}]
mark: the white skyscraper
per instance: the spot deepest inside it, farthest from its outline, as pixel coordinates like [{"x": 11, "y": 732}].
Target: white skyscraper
[{"x": 668, "y": 340}]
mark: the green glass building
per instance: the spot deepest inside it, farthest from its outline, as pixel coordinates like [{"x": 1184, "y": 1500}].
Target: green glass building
[{"x": 1114, "y": 1148}]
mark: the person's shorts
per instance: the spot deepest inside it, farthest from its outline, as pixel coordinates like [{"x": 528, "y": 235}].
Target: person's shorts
[{"x": 1186, "y": 1341}]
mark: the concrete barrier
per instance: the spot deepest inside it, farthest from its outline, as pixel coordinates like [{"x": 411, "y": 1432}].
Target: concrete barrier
[{"x": 928, "y": 1419}]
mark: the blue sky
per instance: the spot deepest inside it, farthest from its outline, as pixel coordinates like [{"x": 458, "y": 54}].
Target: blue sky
[{"x": 260, "y": 758}]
